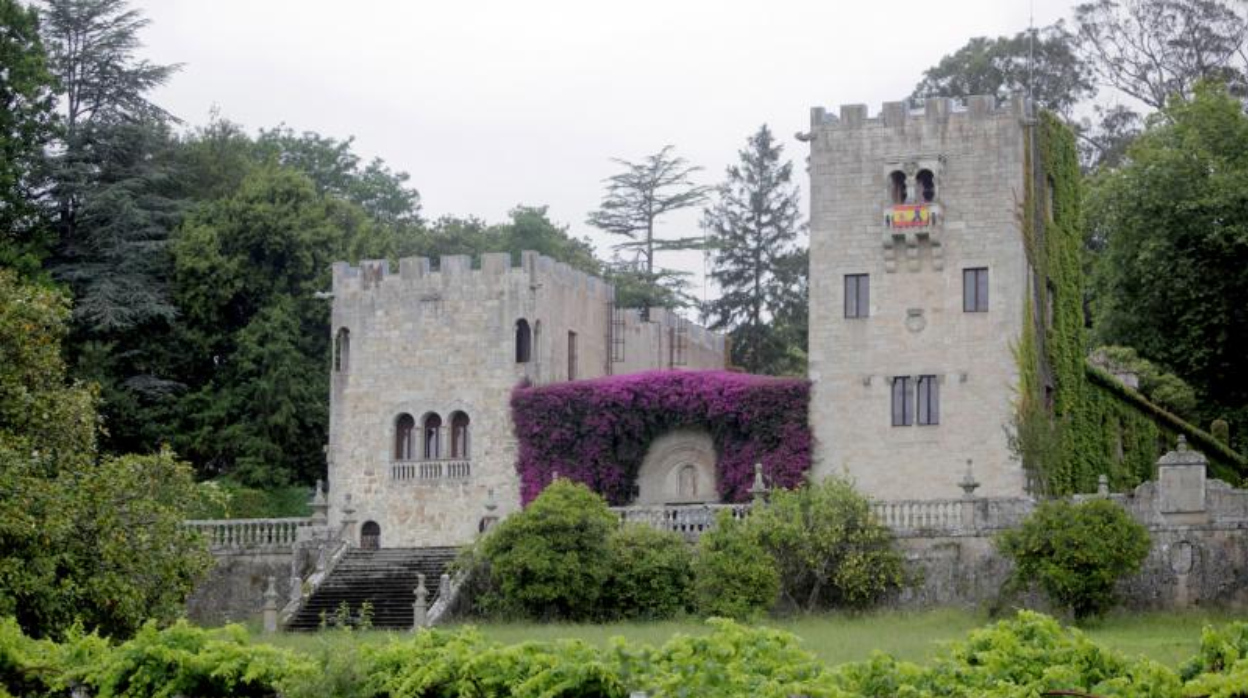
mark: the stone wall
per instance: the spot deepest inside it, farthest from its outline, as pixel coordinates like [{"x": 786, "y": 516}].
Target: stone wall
[
  {"x": 915, "y": 324},
  {"x": 1198, "y": 527},
  {"x": 233, "y": 591}
]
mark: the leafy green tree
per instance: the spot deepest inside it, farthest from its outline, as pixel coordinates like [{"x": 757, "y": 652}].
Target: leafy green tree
[
  {"x": 82, "y": 538},
  {"x": 335, "y": 169},
  {"x": 651, "y": 573},
  {"x": 753, "y": 225},
  {"x": 733, "y": 576},
  {"x": 248, "y": 268},
  {"x": 1045, "y": 66},
  {"x": 634, "y": 202},
  {"x": 1076, "y": 553},
  {"x": 552, "y": 559},
  {"x": 26, "y": 127},
  {"x": 1172, "y": 280},
  {"x": 828, "y": 549}
]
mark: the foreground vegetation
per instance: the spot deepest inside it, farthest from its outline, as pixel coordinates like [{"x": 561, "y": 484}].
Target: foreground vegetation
[
  {"x": 834, "y": 638},
  {"x": 1028, "y": 655}
]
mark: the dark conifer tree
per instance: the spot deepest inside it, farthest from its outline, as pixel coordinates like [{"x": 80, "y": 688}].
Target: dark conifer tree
[{"x": 753, "y": 227}]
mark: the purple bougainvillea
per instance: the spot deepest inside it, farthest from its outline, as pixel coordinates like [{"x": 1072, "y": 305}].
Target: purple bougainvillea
[{"x": 597, "y": 431}]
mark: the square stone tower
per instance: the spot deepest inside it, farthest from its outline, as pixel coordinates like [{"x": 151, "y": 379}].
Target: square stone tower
[{"x": 919, "y": 285}]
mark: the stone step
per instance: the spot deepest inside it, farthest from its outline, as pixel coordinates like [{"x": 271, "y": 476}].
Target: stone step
[{"x": 385, "y": 578}]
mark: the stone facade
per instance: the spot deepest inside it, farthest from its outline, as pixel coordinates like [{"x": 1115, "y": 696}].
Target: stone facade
[
  {"x": 420, "y": 444},
  {"x": 912, "y": 199}
]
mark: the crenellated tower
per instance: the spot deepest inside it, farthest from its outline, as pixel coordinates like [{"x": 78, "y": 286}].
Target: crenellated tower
[
  {"x": 421, "y": 448},
  {"x": 919, "y": 288}
]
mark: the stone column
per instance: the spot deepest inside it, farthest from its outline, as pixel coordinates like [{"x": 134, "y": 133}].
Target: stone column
[
  {"x": 270, "y": 607},
  {"x": 420, "y": 608}
]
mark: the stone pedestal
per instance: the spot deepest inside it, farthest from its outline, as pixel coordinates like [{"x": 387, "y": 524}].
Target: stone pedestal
[{"x": 1181, "y": 485}]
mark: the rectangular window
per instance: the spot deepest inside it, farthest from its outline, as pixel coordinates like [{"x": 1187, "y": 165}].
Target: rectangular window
[
  {"x": 929, "y": 401},
  {"x": 903, "y": 401},
  {"x": 975, "y": 290},
  {"x": 857, "y": 295},
  {"x": 571, "y": 356}
]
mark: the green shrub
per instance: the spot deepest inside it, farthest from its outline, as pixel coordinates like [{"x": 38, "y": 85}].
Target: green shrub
[
  {"x": 1029, "y": 655},
  {"x": 1076, "y": 552},
  {"x": 184, "y": 660},
  {"x": 731, "y": 660},
  {"x": 651, "y": 574},
  {"x": 733, "y": 575},
  {"x": 551, "y": 559},
  {"x": 1221, "y": 430},
  {"x": 464, "y": 663},
  {"x": 224, "y": 498},
  {"x": 827, "y": 547}
]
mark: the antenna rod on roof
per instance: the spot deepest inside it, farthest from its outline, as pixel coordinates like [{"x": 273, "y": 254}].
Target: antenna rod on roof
[{"x": 1031, "y": 47}]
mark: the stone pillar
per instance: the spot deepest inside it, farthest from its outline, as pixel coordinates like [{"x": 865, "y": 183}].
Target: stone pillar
[
  {"x": 968, "y": 484},
  {"x": 319, "y": 505},
  {"x": 1181, "y": 485},
  {"x": 420, "y": 608},
  {"x": 758, "y": 490},
  {"x": 270, "y": 607},
  {"x": 348, "y": 523}
]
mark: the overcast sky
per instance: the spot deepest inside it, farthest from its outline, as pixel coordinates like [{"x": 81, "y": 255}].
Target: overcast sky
[{"x": 489, "y": 104}]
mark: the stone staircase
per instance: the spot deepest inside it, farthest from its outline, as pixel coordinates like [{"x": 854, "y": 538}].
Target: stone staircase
[{"x": 386, "y": 578}]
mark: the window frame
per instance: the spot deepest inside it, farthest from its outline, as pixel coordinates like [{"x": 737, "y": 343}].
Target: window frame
[
  {"x": 900, "y": 388},
  {"x": 976, "y": 290},
  {"x": 927, "y": 401},
  {"x": 861, "y": 307}
]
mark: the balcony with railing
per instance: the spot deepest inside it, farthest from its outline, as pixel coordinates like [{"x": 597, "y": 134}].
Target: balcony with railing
[{"x": 431, "y": 470}]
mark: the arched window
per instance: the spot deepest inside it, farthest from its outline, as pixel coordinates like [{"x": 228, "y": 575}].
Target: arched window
[
  {"x": 459, "y": 435},
  {"x": 370, "y": 536},
  {"x": 405, "y": 437},
  {"x": 927, "y": 185},
  {"x": 524, "y": 342},
  {"x": 433, "y": 436},
  {"x": 342, "y": 350},
  {"x": 897, "y": 187}
]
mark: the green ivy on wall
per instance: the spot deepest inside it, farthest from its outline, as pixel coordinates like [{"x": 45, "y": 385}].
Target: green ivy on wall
[{"x": 1074, "y": 421}]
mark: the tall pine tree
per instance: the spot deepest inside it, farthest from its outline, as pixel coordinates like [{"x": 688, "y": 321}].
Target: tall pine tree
[
  {"x": 635, "y": 200},
  {"x": 753, "y": 226}
]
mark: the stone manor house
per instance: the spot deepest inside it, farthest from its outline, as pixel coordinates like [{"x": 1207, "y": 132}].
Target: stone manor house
[
  {"x": 921, "y": 288},
  {"x": 918, "y": 280}
]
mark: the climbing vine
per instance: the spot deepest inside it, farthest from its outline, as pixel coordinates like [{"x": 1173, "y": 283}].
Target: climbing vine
[
  {"x": 597, "y": 431},
  {"x": 1075, "y": 422}
]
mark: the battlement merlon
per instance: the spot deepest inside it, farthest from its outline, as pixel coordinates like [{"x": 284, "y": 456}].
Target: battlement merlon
[
  {"x": 934, "y": 110},
  {"x": 418, "y": 272}
]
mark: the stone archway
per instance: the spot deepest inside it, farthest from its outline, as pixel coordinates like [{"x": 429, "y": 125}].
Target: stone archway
[{"x": 679, "y": 467}]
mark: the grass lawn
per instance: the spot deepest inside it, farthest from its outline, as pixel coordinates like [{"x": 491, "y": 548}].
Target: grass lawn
[{"x": 1169, "y": 638}]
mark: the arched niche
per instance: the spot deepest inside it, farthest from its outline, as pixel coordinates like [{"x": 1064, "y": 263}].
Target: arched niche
[{"x": 679, "y": 467}]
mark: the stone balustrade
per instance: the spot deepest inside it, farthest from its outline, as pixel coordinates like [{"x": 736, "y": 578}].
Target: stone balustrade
[
  {"x": 906, "y": 518},
  {"x": 430, "y": 470},
  {"x": 923, "y": 515},
  {"x": 687, "y": 519},
  {"x": 225, "y": 534}
]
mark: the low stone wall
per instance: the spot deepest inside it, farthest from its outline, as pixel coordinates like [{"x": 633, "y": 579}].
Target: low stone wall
[
  {"x": 1199, "y": 531},
  {"x": 233, "y": 592}
]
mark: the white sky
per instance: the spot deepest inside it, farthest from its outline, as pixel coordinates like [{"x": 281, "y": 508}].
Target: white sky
[{"x": 493, "y": 103}]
